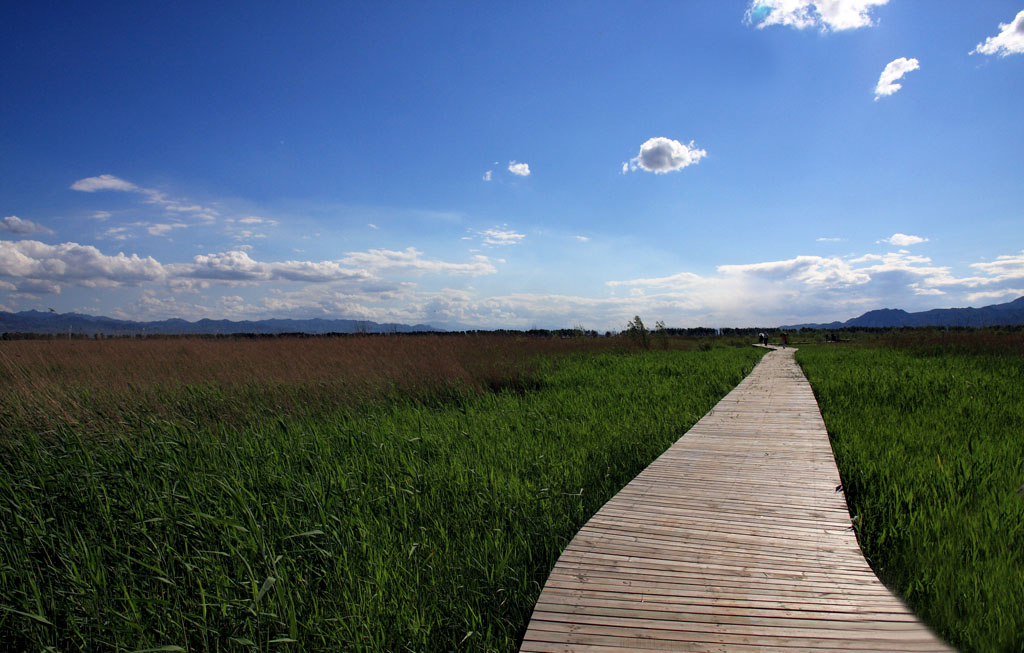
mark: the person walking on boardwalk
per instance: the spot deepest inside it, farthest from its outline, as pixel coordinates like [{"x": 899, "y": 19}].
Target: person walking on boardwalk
[{"x": 785, "y": 339}]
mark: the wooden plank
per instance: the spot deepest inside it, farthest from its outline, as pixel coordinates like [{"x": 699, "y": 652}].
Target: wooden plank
[{"x": 736, "y": 538}]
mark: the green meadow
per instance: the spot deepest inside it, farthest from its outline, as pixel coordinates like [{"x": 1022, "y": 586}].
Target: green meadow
[
  {"x": 365, "y": 494},
  {"x": 928, "y": 433}
]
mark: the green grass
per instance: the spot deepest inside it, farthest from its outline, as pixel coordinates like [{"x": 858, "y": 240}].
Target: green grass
[
  {"x": 929, "y": 440},
  {"x": 400, "y": 524}
]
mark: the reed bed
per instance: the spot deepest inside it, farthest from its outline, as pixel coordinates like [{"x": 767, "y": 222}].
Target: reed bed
[
  {"x": 154, "y": 497},
  {"x": 93, "y": 385},
  {"x": 928, "y": 434}
]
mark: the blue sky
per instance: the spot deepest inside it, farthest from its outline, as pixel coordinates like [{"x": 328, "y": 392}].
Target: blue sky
[{"x": 512, "y": 165}]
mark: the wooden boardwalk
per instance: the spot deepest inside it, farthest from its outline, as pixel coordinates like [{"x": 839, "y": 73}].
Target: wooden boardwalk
[{"x": 735, "y": 539}]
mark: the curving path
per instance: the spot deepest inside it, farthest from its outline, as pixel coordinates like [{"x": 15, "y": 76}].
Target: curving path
[{"x": 735, "y": 539}]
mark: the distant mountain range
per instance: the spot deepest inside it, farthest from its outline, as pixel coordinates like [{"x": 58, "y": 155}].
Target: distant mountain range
[
  {"x": 44, "y": 322},
  {"x": 1010, "y": 313}
]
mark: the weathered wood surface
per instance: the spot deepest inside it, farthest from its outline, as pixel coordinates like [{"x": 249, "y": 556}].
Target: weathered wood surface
[{"x": 735, "y": 539}]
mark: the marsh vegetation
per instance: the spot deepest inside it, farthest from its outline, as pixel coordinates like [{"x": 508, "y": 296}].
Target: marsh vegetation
[{"x": 405, "y": 493}]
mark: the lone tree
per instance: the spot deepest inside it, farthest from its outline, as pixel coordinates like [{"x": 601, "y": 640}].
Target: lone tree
[{"x": 637, "y": 332}]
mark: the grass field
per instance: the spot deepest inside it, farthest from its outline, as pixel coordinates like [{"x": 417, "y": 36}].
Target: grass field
[
  {"x": 928, "y": 433},
  {"x": 360, "y": 494}
]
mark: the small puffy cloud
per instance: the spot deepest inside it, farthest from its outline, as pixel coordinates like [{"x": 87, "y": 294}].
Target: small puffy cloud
[
  {"x": 100, "y": 215},
  {"x": 903, "y": 240},
  {"x": 15, "y": 225},
  {"x": 1009, "y": 40},
  {"x": 582, "y": 239},
  {"x": 828, "y": 239},
  {"x": 893, "y": 71},
  {"x": 660, "y": 155},
  {"x": 372, "y": 226},
  {"x": 501, "y": 237},
  {"x": 827, "y": 15},
  {"x": 521, "y": 169},
  {"x": 103, "y": 182},
  {"x": 487, "y": 175}
]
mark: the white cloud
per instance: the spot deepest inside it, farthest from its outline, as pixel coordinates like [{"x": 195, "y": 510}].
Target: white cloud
[
  {"x": 103, "y": 182},
  {"x": 582, "y": 239},
  {"x": 110, "y": 182},
  {"x": 36, "y": 267},
  {"x": 810, "y": 289},
  {"x": 660, "y": 155},
  {"x": 252, "y": 219},
  {"x": 893, "y": 71},
  {"x": 6, "y": 285},
  {"x": 15, "y": 225},
  {"x": 812, "y": 270},
  {"x": 903, "y": 240},
  {"x": 995, "y": 294},
  {"x": 521, "y": 169},
  {"x": 828, "y": 239},
  {"x": 372, "y": 226},
  {"x": 38, "y": 287},
  {"x": 1004, "y": 268},
  {"x": 100, "y": 215},
  {"x": 410, "y": 259},
  {"x": 237, "y": 265},
  {"x": 835, "y": 15},
  {"x": 681, "y": 279},
  {"x": 71, "y": 262},
  {"x": 1009, "y": 40},
  {"x": 487, "y": 175},
  {"x": 117, "y": 233},
  {"x": 164, "y": 229},
  {"x": 501, "y": 237}
]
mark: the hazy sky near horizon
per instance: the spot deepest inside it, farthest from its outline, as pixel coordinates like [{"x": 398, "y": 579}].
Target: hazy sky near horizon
[{"x": 511, "y": 164}]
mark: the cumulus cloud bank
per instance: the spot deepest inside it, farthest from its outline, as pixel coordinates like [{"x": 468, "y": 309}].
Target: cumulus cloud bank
[
  {"x": 1009, "y": 40},
  {"x": 893, "y": 71},
  {"x": 71, "y": 262},
  {"x": 826, "y": 15},
  {"x": 660, "y": 155},
  {"x": 32, "y": 262},
  {"x": 18, "y": 226}
]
